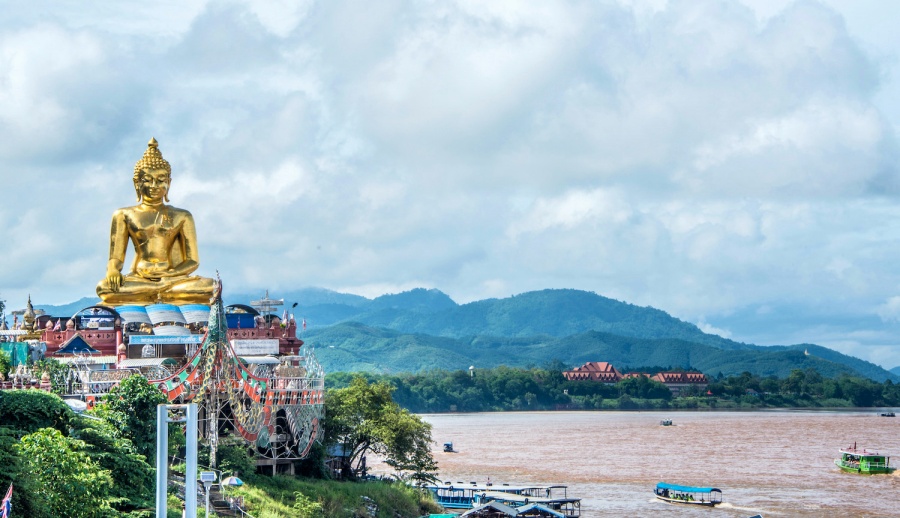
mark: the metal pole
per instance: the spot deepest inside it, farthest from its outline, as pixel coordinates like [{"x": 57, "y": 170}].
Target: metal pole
[
  {"x": 206, "y": 485},
  {"x": 162, "y": 460},
  {"x": 190, "y": 475}
]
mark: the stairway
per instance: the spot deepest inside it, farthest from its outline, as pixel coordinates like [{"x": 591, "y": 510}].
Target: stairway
[{"x": 220, "y": 505}]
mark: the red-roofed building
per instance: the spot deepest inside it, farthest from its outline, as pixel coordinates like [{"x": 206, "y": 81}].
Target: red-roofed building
[
  {"x": 604, "y": 372},
  {"x": 595, "y": 371},
  {"x": 678, "y": 381}
]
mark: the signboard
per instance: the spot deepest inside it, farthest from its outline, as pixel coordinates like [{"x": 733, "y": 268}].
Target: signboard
[
  {"x": 175, "y": 330},
  {"x": 255, "y": 347},
  {"x": 207, "y": 476},
  {"x": 98, "y": 323},
  {"x": 162, "y": 340}
]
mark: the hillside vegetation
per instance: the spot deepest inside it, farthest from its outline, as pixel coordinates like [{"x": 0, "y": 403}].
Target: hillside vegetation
[{"x": 424, "y": 329}]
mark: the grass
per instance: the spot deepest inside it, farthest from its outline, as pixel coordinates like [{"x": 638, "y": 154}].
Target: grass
[{"x": 275, "y": 497}]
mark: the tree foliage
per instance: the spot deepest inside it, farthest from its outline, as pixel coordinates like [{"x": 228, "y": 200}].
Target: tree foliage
[
  {"x": 67, "y": 481},
  {"x": 5, "y": 364},
  {"x": 364, "y": 419},
  {"x": 545, "y": 388},
  {"x": 13, "y": 470},
  {"x": 131, "y": 408},
  {"x": 135, "y": 483},
  {"x": 31, "y": 410}
]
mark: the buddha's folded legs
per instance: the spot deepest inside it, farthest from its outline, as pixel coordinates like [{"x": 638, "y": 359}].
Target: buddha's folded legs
[{"x": 179, "y": 290}]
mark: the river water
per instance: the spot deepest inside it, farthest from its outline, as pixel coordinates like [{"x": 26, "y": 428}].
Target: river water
[{"x": 774, "y": 463}]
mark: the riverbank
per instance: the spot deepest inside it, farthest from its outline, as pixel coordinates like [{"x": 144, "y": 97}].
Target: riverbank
[{"x": 289, "y": 497}]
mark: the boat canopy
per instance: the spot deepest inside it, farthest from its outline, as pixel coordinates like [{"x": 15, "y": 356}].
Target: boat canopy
[{"x": 686, "y": 489}]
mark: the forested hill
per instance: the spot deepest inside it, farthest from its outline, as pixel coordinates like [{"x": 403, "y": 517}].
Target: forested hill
[
  {"x": 556, "y": 313},
  {"x": 423, "y": 329}
]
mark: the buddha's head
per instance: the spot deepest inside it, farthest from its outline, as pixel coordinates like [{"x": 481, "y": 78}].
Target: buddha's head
[{"x": 152, "y": 174}]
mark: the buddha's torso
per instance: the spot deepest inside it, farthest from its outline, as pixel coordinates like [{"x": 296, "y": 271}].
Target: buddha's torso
[{"x": 155, "y": 232}]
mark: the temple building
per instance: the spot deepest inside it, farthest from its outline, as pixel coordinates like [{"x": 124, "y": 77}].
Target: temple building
[{"x": 604, "y": 372}]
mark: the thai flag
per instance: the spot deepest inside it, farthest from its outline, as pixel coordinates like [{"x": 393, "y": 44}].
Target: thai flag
[
  {"x": 57, "y": 326},
  {"x": 6, "y": 505},
  {"x": 304, "y": 324}
]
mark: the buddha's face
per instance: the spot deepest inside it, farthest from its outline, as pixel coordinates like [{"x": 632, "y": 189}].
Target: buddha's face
[{"x": 153, "y": 185}]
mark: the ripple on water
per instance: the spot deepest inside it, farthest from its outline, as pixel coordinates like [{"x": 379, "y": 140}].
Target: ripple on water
[{"x": 769, "y": 463}]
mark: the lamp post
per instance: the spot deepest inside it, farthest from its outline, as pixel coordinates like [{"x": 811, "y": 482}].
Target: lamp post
[{"x": 207, "y": 477}]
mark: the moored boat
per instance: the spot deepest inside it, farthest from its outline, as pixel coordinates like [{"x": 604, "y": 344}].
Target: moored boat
[
  {"x": 550, "y": 498},
  {"x": 888, "y": 414},
  {"x": 461, "y": 496},
  {"x": 665, "y": 422},
  {"x": 678, "y": 494},
  {"x": 854, "y": 460}
]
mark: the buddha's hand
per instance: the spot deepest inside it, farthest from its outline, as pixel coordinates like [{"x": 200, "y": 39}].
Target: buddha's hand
[
  {"x": 153, "y": 271},
  {"x": 114, "y": 279}
]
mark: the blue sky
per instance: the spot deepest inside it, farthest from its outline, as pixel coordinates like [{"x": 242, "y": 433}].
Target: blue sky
[{"x": 732, "y": 163}]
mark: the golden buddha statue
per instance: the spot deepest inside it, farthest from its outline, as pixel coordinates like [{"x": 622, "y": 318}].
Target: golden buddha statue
[{"x": 165, "y": 244}]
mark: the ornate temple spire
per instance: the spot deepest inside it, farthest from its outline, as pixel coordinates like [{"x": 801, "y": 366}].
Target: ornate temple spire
[{"x": 28, "y": 317}]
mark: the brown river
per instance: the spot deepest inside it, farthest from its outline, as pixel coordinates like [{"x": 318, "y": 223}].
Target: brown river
[{"x": 775, "y": 463}]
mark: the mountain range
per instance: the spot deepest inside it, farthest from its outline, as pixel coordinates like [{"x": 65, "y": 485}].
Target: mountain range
[{"x": 425, "y": 329}]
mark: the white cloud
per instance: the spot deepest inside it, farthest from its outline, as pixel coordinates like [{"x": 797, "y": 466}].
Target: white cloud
[
  {"x": 699, "y": 156},
  {"x": 890, "y": 310},
  {"x": 712, "y": 330}
]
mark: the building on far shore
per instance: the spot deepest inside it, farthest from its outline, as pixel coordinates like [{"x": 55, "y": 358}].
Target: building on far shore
[{"x": 604, "y": 372}]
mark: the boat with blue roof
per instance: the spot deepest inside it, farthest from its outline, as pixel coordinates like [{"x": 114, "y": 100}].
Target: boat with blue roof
[{"x": 693, "y": 495}]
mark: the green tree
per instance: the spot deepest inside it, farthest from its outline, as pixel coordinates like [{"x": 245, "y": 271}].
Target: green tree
[
  {"x": 410, "y": 447},
  {"x": 31, "y": 410},
  {"x": 67, "y": 482},
  {"x": 13, "y": 471},
  {"x": 306, "y": 507},
  {"x": 232, "y": 456},
  {"x": 643, "y": 387},
  {"x": 5, "y": 364},
  {"x": 131, "y": 408},
  {"x": 363, "y": 418},
  {"x": 134, "y": 488}
]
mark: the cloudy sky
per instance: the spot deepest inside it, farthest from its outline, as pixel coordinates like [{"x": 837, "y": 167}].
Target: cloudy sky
[{"x": 735, "y": 164}]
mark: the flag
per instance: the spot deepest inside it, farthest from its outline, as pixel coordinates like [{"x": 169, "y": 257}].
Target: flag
[
  {"x": 284, "y": 316},
  {"x": 304, "y": 324},
  {"x": 6, "y": 505},
  {"x": 56, "y": 327}
]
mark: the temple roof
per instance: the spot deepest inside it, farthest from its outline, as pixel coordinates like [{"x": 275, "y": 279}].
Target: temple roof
[{"x": 76, "y": 345}]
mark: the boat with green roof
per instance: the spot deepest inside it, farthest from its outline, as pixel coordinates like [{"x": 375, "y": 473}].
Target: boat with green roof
[{"x": 854, "y": 460}]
